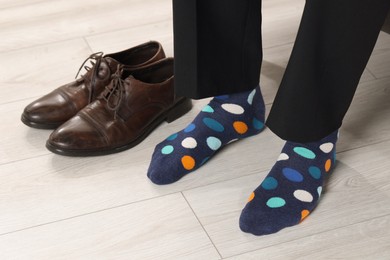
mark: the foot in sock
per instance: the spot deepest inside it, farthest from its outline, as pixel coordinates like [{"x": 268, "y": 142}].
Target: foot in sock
[
  {"x": 225, "y": 119},
  {"x": 292, "y": 189}
]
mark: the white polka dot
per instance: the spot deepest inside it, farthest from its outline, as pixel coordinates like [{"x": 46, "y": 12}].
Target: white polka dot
[
  {"x": 319, "y": 190},
  {"x": 189, "y": 143},
  {"x": 283, "y": 157},
  {"x": 303, "y": 195},
  {"x": 214, "y": 143},
  {"x": 326, "y": 147},
  {"x": 234, "y": 109},
  {"x": 250, "y": 97}
]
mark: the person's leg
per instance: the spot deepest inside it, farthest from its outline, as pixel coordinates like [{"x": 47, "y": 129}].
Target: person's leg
[
  {"x": 334, "y": 42},
  {"x": 217, "y": 47}
]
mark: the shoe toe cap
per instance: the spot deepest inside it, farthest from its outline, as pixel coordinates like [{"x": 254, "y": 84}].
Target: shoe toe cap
[
  {"x": 76, "y": 135},
  {"x": 50, "y": 110}
]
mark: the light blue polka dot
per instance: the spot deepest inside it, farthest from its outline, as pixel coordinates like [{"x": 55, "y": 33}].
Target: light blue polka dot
[
  {"x": 250, "y": 97},
  {"x": 172, "y": 137},
  {"x": 213, "y": 124},
  {"x": 189, "y": 128},
  {"x": 315, "y": 172},
  {"x": 276, "y": 202},
  {"x": 319, "y": 191},
  {"x": 168, "y": 149},
  {"x": 257, "y": 124},
  {"x": 292, "y": 175},
  {"x": 269, "y": 183},
  {"x": 214, "y": 143},
  {"x": 304, "y": 152},
  {"x": 208, "y": 109}
]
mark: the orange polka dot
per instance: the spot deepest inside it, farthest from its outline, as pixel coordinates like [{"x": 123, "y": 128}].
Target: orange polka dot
[
  {"x": 188, "y": 162},
  {"x": 328, "y": 164},
  {"x": 304, "y": 214},
  {"x": 251, "y": 197},
  {"x": 240, "y": 127}
]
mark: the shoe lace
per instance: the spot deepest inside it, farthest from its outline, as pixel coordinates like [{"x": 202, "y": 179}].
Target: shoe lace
[
  {"x": 95, "y": 59},
  {"x": 115, "y": 89}
]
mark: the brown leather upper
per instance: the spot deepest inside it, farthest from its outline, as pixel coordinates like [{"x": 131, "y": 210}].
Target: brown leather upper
[
  {"x": 127, "y": 111},
  {"x": 64, "y": 102}
]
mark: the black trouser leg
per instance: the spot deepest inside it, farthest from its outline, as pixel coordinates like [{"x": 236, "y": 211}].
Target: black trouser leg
[
  {"x": 333, "y": 45},
  {"x": 217, "y": 46}
]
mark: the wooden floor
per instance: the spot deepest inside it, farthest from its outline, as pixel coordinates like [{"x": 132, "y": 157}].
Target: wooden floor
[{"x": 55, "y": 207}]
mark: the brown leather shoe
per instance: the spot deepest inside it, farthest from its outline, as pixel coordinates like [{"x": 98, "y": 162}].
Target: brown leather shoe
[
  {"x": 130, "y": 108},
  {"x": 55, "y": 108}
]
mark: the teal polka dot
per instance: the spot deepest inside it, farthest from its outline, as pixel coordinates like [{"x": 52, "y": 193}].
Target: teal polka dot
[
  {"x": 304, "y": 152},
  {"x": 269, "y": 183},
  {"x": 168, "y": 149},
  {"x": 315, "y": 172},
  {"x": 213, "y": 143},
  {"x": 213, "y": 124},
  {"x": 292, "y": 175},
  {"x": 208, "y": 109},
  {"x": 257, "y": 124},
  {"x": 189, "y": 128},
  {"x": 276, "y": 202},
  {"x": 172, "y": 137}
]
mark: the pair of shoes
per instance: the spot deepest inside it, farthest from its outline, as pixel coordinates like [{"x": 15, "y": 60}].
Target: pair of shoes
[
  {"x": 57, "y": 107},
  {"x": 113, "y": 107}
]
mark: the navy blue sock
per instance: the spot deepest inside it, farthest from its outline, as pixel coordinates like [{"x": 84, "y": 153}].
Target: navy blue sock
[
  {"x": 223, "y": 120},
  {"x": 292, "y": 189}
]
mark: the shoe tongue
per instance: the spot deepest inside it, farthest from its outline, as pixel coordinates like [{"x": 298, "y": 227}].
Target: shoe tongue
[{"x": 112, "y": 64}]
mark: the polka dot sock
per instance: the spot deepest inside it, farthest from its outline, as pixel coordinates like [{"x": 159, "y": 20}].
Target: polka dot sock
[
  {"x": 292, "y": 189},
  {"x": 225, "y": 119}
]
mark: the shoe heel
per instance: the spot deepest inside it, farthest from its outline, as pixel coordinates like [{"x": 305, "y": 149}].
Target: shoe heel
[{"x": 179, "y": 109}]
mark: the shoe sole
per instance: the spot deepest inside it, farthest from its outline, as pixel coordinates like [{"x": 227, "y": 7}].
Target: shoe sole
[{"x": 177, "y": 110}]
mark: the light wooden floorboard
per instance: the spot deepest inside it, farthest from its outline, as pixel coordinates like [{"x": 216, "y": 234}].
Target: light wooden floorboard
[
  {"x": 55, "y": 207},
  {"x": 379, "y": 60},
  {"x": 122, "y": 39},
  {"x": 367, "y": 121},
  {"x": 373, "y": 161},
  {"x": 280, "y": 21},
  {"x": 45, "y": 22},
  {"x": 365, "y": 240},
  {"x": 33, "y": 72},
  {"x": 164, "y": 228}
]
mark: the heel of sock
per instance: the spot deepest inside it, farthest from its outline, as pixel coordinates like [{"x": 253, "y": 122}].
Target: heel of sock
[{"x": 179, "y": 109}]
